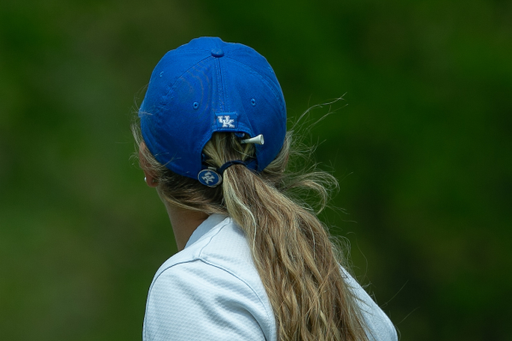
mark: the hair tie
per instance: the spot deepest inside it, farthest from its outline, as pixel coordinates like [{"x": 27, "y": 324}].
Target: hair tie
[{"x": 228, "y": 164}]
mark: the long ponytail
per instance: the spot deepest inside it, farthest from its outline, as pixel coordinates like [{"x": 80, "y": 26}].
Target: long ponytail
[{"x": 291, "y": 248}]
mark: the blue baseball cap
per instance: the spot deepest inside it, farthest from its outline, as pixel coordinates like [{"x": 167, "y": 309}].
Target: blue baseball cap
[{"x": 209, "y": 86}]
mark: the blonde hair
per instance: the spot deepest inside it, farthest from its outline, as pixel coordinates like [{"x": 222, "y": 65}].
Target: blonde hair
[{"x": 298, "y": 264}]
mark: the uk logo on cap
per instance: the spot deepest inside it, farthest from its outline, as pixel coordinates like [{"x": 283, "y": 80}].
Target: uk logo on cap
[{"x": 227, "y": 120}]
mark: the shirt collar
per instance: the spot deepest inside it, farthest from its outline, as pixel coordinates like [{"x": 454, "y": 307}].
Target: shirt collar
[{"x": 204, "y": 227}]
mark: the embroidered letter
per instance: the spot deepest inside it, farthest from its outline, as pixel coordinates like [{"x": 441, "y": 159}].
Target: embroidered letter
[{"x": 227, "y": 122}]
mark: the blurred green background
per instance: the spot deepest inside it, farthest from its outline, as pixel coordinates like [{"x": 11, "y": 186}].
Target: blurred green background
[{"x": 421, "y": 145}]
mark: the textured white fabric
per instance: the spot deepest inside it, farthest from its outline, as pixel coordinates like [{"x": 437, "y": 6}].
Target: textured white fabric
[{"x": 211, "y": 290}]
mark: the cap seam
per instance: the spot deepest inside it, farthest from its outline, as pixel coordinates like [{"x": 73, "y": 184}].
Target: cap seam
[
  {"x": 220, "y": 85},
  {"x": 181, "y": 76}
]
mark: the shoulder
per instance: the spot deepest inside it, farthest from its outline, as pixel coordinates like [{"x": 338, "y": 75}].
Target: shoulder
[
  {"x": 222, "y": 250},
  {"x": 211, "y": 282}
]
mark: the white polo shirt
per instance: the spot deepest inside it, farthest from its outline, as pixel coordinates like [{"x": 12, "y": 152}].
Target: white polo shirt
[{"x": 211, "y": 290}]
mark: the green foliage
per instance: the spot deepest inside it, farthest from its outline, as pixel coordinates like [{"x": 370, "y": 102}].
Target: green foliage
[{"x": 422, "y": 152}]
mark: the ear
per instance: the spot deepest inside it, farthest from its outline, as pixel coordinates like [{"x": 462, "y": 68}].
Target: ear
[{"x": 149, "y": 175}]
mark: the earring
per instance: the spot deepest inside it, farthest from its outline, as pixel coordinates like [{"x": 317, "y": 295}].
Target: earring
[{"x": 145, "y": 179}]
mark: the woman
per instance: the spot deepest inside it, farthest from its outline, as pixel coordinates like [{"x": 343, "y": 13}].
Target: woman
[{"x": 254, "y": 264}]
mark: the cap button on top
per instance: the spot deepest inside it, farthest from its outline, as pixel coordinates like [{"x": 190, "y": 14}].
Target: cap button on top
[{"x": 217, "y": 53}]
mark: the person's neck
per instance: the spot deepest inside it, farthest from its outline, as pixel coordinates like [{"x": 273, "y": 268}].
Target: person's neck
[{"x": 184, "y": 222}]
